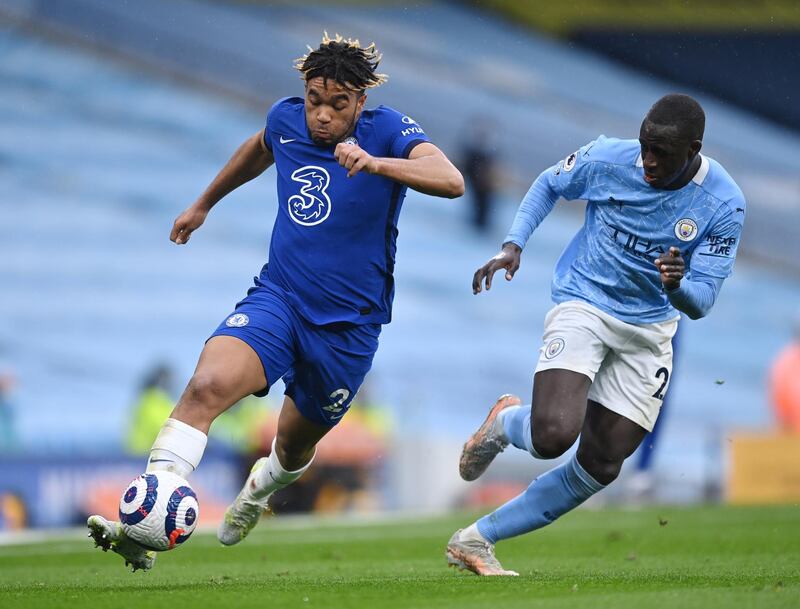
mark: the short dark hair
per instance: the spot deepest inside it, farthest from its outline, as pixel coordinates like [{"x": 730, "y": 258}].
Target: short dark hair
[
  {"x": 343, "y": 60},
  {"x": 682, "y": 111}
]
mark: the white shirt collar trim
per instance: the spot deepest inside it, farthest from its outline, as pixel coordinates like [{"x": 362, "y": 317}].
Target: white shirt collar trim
[
  {"x": 698, "y": 178},
  {"x": 703, "y": 171}
]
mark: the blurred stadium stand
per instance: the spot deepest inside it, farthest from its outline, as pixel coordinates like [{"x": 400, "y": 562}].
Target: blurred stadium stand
[
  {"x": 738, "y": 50},
  {"x": 97, "y": 157}
]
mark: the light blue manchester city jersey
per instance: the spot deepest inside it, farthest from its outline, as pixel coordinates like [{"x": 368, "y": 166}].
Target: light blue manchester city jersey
[{"x": 629, "y": 224}]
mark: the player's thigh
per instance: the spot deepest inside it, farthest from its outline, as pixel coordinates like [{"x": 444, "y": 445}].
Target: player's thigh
[
  {"x": 634, "y": 378},
  {"x": 558, "y": 409},
  {"x": 331, "y": 366},
  {"x": 233, "y": 366},
  {"x": 251, "y": 348},
  {"x": 227, "y": 370},
  {"x": 572, "y": 351}
]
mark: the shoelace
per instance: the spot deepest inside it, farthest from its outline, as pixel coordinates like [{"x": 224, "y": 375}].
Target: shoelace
[
  {"x": 490, "y": 445},
  {"x": 491, "y": 559},
  {"x": 243, "y": 516}
]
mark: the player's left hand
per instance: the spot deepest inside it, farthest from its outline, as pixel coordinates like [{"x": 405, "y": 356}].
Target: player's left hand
[
  {"x": 672, "y": 267},
  {"x": 354, "y": 158}
]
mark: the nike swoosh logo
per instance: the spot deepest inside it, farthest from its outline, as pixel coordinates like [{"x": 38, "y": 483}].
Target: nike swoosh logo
[{"x": 285, "y": 141}]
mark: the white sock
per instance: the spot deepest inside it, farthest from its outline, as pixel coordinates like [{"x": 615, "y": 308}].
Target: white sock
[
  {"x": 273, "y": 476},
  {"x": 499, "y": 423},
  {"x": 177, "y": 449},
  {"x": 472, "y": 532}
]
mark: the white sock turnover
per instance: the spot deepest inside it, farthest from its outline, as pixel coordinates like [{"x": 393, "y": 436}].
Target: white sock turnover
[
  {"x": 178, "y": 448},
  {"x": 273, "y": 476},
  {"x": 472, "y": 533}
]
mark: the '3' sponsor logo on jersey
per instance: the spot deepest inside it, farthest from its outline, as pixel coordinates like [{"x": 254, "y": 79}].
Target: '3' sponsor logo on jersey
[{"x": 313, "y": 205}]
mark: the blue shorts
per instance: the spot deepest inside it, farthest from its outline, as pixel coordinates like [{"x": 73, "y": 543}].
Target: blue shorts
[{"x": 322, "y": 366}]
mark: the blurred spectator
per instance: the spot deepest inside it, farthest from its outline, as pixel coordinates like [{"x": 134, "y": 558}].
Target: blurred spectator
[
  {"x": 237, "y": 432},
  {"x": 479, "y": 166},
  {"x": 8, "y": 436},
  {"x": 784, "y": 384},
  {"x": 153, "y": 406},
  {"x": 373, "y": 416},
  {"x": 13, "y": 514},
  {"x": 237, "y": 429}
]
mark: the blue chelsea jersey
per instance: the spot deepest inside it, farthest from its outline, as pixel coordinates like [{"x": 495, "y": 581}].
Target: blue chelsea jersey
[
  {"x": 628, "y": 224},
  {"x": 333, "y": 245}
]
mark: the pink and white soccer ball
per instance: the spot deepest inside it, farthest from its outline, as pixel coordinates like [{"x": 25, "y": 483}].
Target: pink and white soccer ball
[{"x": 159, "y": 510}]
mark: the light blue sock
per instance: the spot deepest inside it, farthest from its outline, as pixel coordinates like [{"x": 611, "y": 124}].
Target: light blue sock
[
  {"x": 549, "y": 496},
  {"x": 516, "y": 422}
]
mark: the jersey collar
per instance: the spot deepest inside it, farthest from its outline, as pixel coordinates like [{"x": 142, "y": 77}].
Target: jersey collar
[
  {"x": 698, "y": 178},
  {"x": 702, "y": 172}
]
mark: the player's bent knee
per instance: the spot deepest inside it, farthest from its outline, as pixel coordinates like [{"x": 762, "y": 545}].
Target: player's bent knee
[
  {"x": 603, "y": 471},
  {"x": 208, "y": 392},
  {"x": 552, "y": 441},
  {"x": 550, "y": 447},
  {"x": 606, "y": 473}
]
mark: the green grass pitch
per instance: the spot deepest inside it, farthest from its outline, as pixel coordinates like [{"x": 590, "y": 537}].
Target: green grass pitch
[{"x": 667, "y": 557}]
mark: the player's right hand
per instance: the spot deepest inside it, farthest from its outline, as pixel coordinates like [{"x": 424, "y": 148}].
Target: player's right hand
[
  {"x": 188, "y": 222},
  {"x": 508, "y": 259}
]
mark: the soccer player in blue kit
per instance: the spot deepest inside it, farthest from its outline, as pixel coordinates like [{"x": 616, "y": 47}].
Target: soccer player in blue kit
[
  {"x": 315, "y": 312},
  {"x": 661, "y": 232}
]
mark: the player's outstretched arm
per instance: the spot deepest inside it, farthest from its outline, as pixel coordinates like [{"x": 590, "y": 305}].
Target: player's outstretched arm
[
  {"x": 508, "y": 258},
  {"x": 537, "y": 203},
  {"x": 249, "y": 161},
  {"x": 426, "y": 169}
]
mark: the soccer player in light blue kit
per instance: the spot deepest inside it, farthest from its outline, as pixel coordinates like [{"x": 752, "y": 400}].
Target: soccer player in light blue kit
[
  {"x": 662, "y": 228},
  {"x": 315, "y": 312}
]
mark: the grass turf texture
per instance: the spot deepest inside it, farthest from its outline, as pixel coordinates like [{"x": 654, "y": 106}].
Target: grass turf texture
[{"x": 669, "y": 557}]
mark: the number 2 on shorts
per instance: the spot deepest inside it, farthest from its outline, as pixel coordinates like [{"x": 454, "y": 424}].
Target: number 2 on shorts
[{"x": 661, "y": 373}]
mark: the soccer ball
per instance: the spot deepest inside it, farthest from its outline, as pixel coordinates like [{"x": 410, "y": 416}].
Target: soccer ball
[{"x": 159, "y": 510}]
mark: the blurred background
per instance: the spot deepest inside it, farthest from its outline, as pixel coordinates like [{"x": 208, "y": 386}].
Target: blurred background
[{"x": 114, "y": 116}]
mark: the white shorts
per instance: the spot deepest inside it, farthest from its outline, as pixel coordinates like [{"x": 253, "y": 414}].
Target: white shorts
[{"x": 629, "y": 365}]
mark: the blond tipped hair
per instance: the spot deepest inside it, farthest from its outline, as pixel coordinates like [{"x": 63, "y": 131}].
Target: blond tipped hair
[{"x": 343, "y": 60}]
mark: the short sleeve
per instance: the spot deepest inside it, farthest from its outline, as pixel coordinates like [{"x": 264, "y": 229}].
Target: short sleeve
[
  {"x": 271, "y": 119},
  {"x": 715, "y": 255},
  {"x": 404, "y": 133}
]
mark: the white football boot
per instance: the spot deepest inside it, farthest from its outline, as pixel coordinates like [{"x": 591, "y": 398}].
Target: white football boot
[
  {"x": 487, "y": 442},
  {"x": 108, "y": 535},
  {"x": 244, "y": 513},
  {"x": 476, "y": 555}
]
